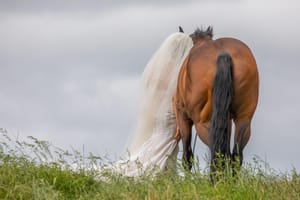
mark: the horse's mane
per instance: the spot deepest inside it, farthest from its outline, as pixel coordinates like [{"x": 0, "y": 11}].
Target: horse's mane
[{"x": 204, "y": 33}]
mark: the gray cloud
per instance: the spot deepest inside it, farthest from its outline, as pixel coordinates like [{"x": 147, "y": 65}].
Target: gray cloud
[
  {"x": 82, "y": 5},
  {"x": 72, "y": 77}
]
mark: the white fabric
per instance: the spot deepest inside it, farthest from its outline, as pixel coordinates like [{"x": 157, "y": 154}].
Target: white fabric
[
  {"x": 158, "y": 152},
  {"x": 152, "y": 145}
]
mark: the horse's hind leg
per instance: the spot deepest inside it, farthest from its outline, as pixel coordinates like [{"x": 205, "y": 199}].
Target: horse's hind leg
[
  {"x": 241, "y": 138},
  {"x": 185, "y": 125}
]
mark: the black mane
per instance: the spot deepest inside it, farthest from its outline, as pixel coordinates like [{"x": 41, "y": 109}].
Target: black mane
[{"x": 202, "y": 34}]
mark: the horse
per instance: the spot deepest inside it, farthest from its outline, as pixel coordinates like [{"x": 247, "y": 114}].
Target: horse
[{"x": 217, "y": 85}]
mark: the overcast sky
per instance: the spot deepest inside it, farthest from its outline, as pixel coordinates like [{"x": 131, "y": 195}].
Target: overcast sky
[{"x": 70, "y": 71}]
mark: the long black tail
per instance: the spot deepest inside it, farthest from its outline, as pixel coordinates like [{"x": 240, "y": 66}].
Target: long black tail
[{"x": 222, "y": 98}]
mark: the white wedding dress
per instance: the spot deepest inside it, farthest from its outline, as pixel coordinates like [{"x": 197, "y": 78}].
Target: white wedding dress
[
  {"x": 158, "y": 152},
  {"x": 153, "y": 148}
]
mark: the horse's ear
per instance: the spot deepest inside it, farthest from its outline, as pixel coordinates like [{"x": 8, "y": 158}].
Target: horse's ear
[
  {"x": 209, "y": 31},
  {"x": 181, "y": 30}
]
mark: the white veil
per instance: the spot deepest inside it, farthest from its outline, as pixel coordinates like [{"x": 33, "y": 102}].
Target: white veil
[{"x": 159, "y": 83}]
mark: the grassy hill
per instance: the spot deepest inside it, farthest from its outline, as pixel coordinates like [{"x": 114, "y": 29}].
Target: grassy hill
[{"x": 36, "y": 170}]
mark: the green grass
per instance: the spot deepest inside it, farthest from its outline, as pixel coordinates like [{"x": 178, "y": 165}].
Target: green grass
[{"x": 36, "y": 170}]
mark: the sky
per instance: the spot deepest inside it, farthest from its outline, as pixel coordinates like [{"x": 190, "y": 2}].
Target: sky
[{"x": 70, "y": 70}]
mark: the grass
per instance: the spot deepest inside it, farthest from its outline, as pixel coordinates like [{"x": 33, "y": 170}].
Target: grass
[{"x": 36, "y": 170}]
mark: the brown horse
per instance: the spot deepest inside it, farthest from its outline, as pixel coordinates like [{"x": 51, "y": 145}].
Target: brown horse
[{"x": 217, "y": 84}]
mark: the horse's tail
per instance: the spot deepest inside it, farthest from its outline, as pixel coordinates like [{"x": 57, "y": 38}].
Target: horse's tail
[{"x": 222, "y": 97}]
